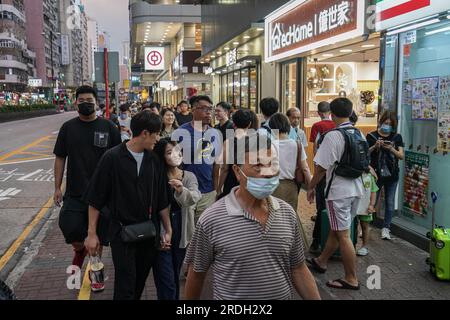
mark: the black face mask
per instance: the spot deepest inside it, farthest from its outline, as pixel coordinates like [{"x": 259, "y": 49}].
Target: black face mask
[{"x": 86, "y": 108}]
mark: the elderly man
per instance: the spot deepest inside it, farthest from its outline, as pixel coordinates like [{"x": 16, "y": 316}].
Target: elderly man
[
  {"x": 251, "y": 240},
  {"x": 296, "y": 133}
]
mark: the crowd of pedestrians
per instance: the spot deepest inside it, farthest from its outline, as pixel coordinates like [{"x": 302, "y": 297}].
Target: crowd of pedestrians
[{"x": 165, "y": 189}]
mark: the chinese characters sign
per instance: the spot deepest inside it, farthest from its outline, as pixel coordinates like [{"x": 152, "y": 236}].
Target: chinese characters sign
[
  {"x": 444, "y": 115},
  {"x": 417, "y": 168},
  {"x": 305, "y": 25}
]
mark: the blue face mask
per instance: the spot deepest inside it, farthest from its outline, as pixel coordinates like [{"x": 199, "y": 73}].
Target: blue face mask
[
  {"x": 262, "y": 188},
  {"x": 386, "y": 129}
]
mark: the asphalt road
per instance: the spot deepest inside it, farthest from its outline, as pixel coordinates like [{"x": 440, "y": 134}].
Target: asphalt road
[{"x": 26, "y": 172}]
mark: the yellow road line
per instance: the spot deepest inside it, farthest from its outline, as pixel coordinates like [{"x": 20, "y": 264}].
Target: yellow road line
[
  {"x": 35, "y": 153},
  {"x": 21, "y": 149},
  {"x": 85, "y": 291},
  {"x": 24, "y": 159},
  {"x": 15, "y": 246}
]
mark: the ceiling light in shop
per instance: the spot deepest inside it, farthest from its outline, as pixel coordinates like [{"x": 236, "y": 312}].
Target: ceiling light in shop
[
  {"x": 367, "y": 46},
  {"x": 236, "y": 43},
  {"x": 219, "y": 53},
  {"x": 429, "y": 33},
  {"x": 327, "y": 55},
  {"x": 246, "y": 37},
  {"x": 345, "y": 50},
  {"x": 260, "y": 29},
  {"x": 249, "y": 61},
  {"x": 212, "y": 57},
  {"x": 226, "y": 48}
]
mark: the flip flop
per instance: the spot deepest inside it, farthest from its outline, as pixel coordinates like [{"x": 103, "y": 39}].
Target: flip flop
[
  {"x": 316, "y": 266},
  {"x": 343, "y": 285}
]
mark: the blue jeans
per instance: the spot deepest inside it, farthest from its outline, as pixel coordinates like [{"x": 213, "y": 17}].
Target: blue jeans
[
  {"x": 390, "y": 187},
  {"x": 166, "y": 271}
]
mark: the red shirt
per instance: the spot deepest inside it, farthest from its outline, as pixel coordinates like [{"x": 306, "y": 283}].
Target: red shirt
[{"x": 321, "y": 127}]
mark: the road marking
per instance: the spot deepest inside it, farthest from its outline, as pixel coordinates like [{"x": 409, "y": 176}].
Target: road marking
[
  {"x": 16, "y": 245},
  {"x": 8, "y": 193},
  {"x": 21, "y": 149},
  {"x": 85, "y": 291},
  {"x": 30, "y": 175},
  {"x": 25, "y": 161}
]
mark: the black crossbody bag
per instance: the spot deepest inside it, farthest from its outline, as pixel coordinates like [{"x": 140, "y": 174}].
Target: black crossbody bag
[{"x": 138, "y": 232}]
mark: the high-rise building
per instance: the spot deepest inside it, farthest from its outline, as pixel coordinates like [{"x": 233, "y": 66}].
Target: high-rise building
[
  {"x": 92, "y": 34},
  {"x": 74, "y": 49},
  {"x": 43, "y": 37},
  {"x": 17, "y": 62}
]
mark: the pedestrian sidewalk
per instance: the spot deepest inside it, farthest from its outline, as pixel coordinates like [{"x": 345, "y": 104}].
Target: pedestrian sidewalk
[{"x": 404, "y": 274}]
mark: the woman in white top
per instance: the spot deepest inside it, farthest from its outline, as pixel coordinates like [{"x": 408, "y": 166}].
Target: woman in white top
[{"x": 288, "y": 153}]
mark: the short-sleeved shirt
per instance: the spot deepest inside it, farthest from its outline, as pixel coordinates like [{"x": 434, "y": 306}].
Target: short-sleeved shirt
[
  {"x": 200, "y": 151},
  {"x": 83, "y": 144},
  {"x": 182, "y": 119},
  {"x": 131, "y": 198},
  {"x": 329, "y": 154},
  {"x": 320, "y": 128},
  {"x": 370, "y": 186},
  {"x": 288, "y": 154},
  {"x": 223, "y": 129},
  {"x": 248, "y": 262},
  {"x": 298, "y": 134},
  {"x": 374, "y": 156}
]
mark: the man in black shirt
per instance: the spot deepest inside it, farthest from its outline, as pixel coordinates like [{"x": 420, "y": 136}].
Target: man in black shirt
[
  {"x": 82, "y": 141},
  {"x": 132, "y": 182},
  {"x": 222, "y": 112},
  {"x": 184, "y": 116}
]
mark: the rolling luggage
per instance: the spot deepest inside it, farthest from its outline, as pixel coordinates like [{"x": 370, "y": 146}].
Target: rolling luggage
[{"x": 439, "y": 236}]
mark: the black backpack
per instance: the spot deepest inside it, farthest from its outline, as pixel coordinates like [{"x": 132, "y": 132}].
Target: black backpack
[{"x": 355, "y": 160}]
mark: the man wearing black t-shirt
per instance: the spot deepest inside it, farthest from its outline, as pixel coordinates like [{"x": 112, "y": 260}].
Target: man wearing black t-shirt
[
  {"x": 132, "y": 182},
  {"x": 82, "y": 141},
  {"x": 183, "y": 116}
]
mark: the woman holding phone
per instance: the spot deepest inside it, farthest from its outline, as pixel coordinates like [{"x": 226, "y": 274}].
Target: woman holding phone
[{"x": 386, "y": 149}]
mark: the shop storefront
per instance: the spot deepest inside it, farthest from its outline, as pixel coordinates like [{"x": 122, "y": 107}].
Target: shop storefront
[
  {"x": 323, "y": 51},
  {"x": 416, "y": 83},
  {"x": 236, "y": 70}
]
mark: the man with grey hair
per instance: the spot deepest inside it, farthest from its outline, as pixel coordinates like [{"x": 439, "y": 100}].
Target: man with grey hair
[
  {"x": 239, "y": 236},
  {"x": 296, "y": 133}
]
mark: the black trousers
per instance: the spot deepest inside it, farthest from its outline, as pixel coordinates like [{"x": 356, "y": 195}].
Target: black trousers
[
  {"x": 132, "y": 265},
  {"x": 320, "y": 206}
]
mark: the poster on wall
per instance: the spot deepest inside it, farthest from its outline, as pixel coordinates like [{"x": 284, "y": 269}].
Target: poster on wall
[
  {"x": 425, "y": 98},
  {"x": 416, "y": 182},
  {"x": 444, "y": 115}
]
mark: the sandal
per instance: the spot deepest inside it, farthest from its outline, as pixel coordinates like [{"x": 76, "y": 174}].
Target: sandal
[
  {"x": 316, "y": 266},
  {"x": 343, "y": 285}
]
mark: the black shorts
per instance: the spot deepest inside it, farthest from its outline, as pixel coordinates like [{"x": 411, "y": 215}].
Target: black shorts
[{"x": 74, "y": 222}]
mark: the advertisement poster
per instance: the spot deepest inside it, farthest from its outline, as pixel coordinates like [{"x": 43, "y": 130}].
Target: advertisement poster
[
  {"x": 416, "y": 182},
  {"x": 444, "y": 115},
  {"x": 425, "y": 96}
]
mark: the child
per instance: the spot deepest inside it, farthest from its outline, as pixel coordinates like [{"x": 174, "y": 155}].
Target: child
[{"x": 366, "y": 208}]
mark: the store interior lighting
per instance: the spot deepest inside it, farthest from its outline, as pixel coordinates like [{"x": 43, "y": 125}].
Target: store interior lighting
[{"x": 413, "y": 26}]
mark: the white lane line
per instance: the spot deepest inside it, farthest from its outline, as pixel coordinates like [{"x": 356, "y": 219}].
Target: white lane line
[
  {"x": 26, "y": 161},
  {"x": 24, "y": 178}
]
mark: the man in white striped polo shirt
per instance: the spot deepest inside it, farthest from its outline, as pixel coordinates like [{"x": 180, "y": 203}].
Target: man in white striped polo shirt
[{"x": 252, "y": 241}]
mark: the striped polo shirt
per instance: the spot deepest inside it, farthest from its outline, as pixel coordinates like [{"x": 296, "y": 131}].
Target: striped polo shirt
[{"x": 248, "y": 261}]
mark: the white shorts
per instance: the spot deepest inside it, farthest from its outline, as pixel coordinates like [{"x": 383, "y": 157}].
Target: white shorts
[{"x": 341, "y": 213}]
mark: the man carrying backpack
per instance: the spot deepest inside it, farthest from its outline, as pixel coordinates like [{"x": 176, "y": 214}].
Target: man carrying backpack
[{"x": 343, "y": 157}]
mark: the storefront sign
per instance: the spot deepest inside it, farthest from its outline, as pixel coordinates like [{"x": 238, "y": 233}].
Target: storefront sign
[
  {"x": 35, "y": 83},
  {"x": 154, "y": 58},
  {"x": 417, "y": 167},
  {"x": 392, "y": 13},
  {"x": 304, "y": 25},
  {"x": 65, "y": 50}
]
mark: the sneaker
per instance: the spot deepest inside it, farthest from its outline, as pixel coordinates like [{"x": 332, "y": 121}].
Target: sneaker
[
  {"x": 385, "y": 234},
  {"x": 363, "y": 252},
  {"x": 78, "y": 258},
  {"x": 313, "y": 218}
]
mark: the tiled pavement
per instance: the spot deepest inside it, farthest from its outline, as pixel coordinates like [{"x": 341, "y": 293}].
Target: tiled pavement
[{"x": 404, "y": 274}]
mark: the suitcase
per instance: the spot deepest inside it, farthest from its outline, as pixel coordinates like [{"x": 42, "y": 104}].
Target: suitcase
[
  {"x": 439, "y": 259},
  {"x": 325, "y": 230}
]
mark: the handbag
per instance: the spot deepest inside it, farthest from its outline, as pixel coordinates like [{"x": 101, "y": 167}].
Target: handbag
[
  {"x": 138, "y": 232},
  {"x": 299, "y": 174}
]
